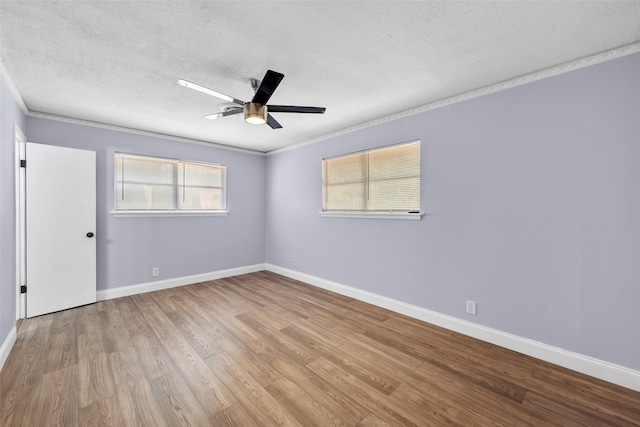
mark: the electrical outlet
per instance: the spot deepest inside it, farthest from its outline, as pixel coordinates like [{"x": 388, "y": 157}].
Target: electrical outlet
[
  {"x": 155, "y": 271},
  {"x": 472, "y": 307},
  {"x": 294, "y": 262}
]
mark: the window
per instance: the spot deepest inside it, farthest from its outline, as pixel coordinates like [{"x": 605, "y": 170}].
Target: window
[
  {"x": 158, "y": 185},
  {"x": 385, "y": 180}
]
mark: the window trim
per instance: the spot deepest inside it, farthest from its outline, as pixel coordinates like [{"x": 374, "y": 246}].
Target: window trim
[
  {"x": 416, "y": 216},
  {"x": 167, "y": 212},
  {"x": 138, "y": 213}
]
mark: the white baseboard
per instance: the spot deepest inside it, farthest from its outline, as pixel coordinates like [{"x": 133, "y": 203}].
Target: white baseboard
[
  {"x": 158, "y": 285},
  {"x": 7, "y": 345},
  {"x": 606, "y": 371}
]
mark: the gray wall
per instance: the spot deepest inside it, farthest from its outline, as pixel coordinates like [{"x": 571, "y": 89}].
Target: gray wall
[
  {"x": 532, "y": 206},
  {"x": 128, "y": 248},
  {"x": 10, "y": 113}
]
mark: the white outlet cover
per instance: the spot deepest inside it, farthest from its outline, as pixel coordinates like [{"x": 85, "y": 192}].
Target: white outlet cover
[{"x": 471, "y": 307}]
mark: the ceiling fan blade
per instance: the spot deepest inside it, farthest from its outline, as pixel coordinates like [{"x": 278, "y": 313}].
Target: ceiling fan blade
[
  {"x": 223, "y": 114},
  {"x": 269, "y": 84},
  {"x": 295, "y": 109},
  {"x": 273, "y": 122},
  {"x": 208, "y": 91}
]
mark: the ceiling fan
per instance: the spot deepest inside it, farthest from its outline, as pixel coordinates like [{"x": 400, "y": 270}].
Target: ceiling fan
[{"x": 256, "y": 111}]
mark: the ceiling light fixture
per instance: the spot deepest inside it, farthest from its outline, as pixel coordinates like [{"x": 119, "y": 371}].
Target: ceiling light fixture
[{"x": 255, "y": 114}]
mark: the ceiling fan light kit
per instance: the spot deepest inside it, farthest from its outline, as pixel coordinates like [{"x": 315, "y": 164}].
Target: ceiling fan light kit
[{"x": 255, "y": 112}]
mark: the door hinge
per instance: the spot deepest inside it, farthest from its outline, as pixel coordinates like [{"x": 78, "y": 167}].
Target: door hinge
[
  {"x": 23, "y": 289},
  {"x": 23, "y": 163}
]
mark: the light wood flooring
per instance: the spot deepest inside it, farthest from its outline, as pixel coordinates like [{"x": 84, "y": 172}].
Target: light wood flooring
[{"x": 263, "y": 350}]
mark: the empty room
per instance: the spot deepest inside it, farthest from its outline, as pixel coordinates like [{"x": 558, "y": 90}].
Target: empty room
[{"x": 319, "y": 213}]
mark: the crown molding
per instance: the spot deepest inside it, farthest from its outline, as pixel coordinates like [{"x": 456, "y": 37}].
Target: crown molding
[
  {"x": 496, "y": 87},
  {"x": 12, "y": 88},
  {"x": 117, "y": 128}
]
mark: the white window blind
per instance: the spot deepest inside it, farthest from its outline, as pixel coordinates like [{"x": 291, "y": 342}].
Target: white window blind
[
  {"x": 158, "y": 184},
  {"x": 201, "y": 186},
  {"x": 381, "y": 180}
]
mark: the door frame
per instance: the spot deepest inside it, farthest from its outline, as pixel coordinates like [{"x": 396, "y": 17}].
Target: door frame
[{"x": 19, "y": 148}]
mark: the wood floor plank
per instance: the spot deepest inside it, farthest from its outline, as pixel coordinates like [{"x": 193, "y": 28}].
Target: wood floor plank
[
  {"x": 177, "y": 403},
  {"x": 233, "y": 416},
  {"x": 129, "y": 311},
  {"x": 63, "y": 350},
  {"x": 193, "y": 307},
  {"x": 283, "y": 302},
  {"x": 136, "y": 401},
  {"x": 337, "y": 324},
  {"x": 166, "y": 300},
  {"x": 267, "y": 354},
  {"x": 448, "y": 345},
  {"x": 302, "y": 289},
  {"x": 195, "y": 334},
  {"x": 204, "y": 384},
  {"x": 616, "y": 405},
  {"x": 58, "y": 400},
  {"x": 463, "y": 405},
  {"x": 260, "y": 370},
  {"x": 210, "y": 391},
  {"x": 374, "y": 400},
  {"x": 103, "y": 413},
  {"x": 472, "y": 366},
  {"x": 367, "y": 370},
  {"x": 362, "y": 310},
  {"x": 260, "y": 350},
  {"x": 486, "y": 380},
  {"x": 550, "y": 411},
  {"x": 21, "y": 378},
  {"x": 237, "y": 287},
  {"x": 232, "y": 325},
  {"x": 155, "y": 317},
  {"x": 343, "y": 406},
  {"x": 65, "y": 324},
  {"x": 153, "y": 357},
  {"x": 226, "y": 301},
  {"x": 88, "y": 321},
  {"x": 394, "y": 359},
  {"x": 95, "y": 378},
  {"x": 301, "y": 405},
  {"x": 294, "y": 348},
  {"x": 322, "y": 333},
  {"x": 373, "y": 420},
  {"x": 264, "y": 409},
  {"x": 350, "y": 354}
]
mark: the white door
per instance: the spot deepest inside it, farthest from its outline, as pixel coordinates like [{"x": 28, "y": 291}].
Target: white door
[{"x": 60, "y": 227}]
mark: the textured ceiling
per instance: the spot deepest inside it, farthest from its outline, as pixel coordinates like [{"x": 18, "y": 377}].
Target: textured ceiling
[{"x": 117, "y": 62}]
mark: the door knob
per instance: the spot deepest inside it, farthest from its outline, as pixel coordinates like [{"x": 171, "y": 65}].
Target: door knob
[{"x": 90, "y": 234}]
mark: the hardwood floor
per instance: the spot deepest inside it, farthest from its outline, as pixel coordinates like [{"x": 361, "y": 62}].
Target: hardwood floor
[{"x": 262, "y": 350}]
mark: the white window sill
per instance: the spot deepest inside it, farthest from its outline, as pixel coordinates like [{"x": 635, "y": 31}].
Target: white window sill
[
  {"x": 117, "y": 214},
  {"x": 374, "y": 215}
]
